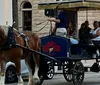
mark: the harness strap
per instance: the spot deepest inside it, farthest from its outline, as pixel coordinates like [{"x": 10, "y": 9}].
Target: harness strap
[
  {"x": 25, "y": 38},
  {"x": 10, "y": 42}
]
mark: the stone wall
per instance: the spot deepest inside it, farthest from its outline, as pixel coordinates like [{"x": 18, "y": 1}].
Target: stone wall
[
  {"x": 90, "y": 15},
  {"x": 37, "y": 16}
]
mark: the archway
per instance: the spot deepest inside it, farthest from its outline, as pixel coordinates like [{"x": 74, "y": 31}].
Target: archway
[{"x": 27, "y": 16}]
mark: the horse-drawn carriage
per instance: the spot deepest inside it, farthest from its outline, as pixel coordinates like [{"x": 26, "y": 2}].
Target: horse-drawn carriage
[
  {"x": 69, "y": 55},
  {"x": 55, "y": 48}
]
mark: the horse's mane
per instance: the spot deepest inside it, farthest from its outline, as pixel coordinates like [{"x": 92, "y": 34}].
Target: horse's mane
[{"x": 5, "y": 28}]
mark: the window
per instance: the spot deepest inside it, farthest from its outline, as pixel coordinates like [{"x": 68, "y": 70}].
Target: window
[
  {"x": 27, "y": 16},
  {"x": 27, "y": 5}
]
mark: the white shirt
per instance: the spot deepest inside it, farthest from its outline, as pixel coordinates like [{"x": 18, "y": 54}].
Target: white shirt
[{"x": 94, "y": 32}]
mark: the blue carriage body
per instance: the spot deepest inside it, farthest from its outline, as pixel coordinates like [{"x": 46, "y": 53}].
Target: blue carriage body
[
  {"x": 55, "y": 46},
  {"x": 61, "y": 48}
]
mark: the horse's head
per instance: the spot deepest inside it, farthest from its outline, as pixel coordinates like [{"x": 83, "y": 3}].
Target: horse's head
[{"x": 3, "y": 35}]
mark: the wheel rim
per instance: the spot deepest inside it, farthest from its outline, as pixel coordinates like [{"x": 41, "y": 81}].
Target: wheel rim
[
  {"x": 50, "y": 73},
  {"x": 11, "y": 75},
  {"x": 78, "y": 73},
  {"x": 66, "y": 72}
]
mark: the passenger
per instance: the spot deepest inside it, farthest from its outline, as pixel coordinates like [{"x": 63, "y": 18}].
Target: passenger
[
  {"x": 96, "y": 33},
  {"x": 96, "y": 37},
  {"x": 72, "y": 32},
  {"x": 60, "y": 23},
  {"x": 71, "y": 29},
  {"x": 84, "y": 33},
  {"x": 85, "y": 37},
  {"x": 87, "y": 25}
]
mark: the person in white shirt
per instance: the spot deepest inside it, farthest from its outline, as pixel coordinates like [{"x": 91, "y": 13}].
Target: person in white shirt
[
  {"x": 96, "y": 36},
  {"x": 95, "y": 33}
]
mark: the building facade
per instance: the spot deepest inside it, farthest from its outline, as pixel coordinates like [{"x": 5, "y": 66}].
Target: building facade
[
  {"x": 29, "y": 15},
  {"x": 5, "y": 12}
]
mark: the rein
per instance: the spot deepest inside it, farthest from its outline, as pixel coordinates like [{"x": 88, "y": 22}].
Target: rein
[
  {"x": 41, "y": 23},
  {"x": 37, "y": 25},
  {"x": 42, "y": 27}
]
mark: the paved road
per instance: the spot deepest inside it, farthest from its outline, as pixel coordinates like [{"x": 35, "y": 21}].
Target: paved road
[{"x": 90, "y": 79}]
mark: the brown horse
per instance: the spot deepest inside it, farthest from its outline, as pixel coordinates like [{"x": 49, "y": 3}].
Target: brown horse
[{"x": 14, "y": 54}]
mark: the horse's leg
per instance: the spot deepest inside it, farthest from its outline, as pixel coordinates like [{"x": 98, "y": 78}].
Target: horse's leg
[
  {"x": 2, "y": 75},
  {"x": 30, "y": 66},
  {"x": 35, "y": 76},
  {"x": 18, "y": 71},
  {"x": 37, "y": 60}
]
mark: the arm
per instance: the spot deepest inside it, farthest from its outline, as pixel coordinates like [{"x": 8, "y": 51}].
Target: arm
[
  {"x": 54, "y": 20},
  {"x": 97, "y": 34},
  {"x": 54, "y": 30},
  {"x": 74, "y": 32}
]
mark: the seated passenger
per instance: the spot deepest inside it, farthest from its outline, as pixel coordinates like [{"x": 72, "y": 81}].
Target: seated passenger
[
  {"x": 96, "y": 33},
  {"x": 96, "y": 36},
  {"x": 72, "y": 32},
  {"x": 84, "y": 33},
  {"x": 85, "y": 37}
]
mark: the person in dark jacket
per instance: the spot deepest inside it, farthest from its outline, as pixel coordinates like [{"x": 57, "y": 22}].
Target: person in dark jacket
[
  {"x": 85, "y": 37},
  {"x": 84, "y": 33}
]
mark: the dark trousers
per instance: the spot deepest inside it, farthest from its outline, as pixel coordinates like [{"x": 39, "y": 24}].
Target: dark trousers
[{"x": 97, "y": 45}]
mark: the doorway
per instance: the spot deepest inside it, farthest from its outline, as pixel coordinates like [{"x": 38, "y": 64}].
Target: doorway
[{"x": 71, "y": 16}]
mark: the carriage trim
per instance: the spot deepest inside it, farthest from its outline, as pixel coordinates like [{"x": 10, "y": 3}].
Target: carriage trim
[{"x": 70, "y": 5}]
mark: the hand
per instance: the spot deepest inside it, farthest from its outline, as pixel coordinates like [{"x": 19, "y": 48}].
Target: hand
[
  {"x": 70, "y": 36},
  {"x": 51, "y": 19}
]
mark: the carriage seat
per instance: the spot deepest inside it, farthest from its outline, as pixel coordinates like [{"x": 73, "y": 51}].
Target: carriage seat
[
  {"x": 78, "y": 48},
  {"x": 90, "y": 49}
]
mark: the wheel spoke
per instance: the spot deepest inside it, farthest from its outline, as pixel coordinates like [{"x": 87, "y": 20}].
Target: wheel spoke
[
  {"x": 67, "y": 72},
  {"x": 78, "y": 73}
]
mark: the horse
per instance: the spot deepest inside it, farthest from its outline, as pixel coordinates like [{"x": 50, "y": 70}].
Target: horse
[{"x": 14, "y": 54}]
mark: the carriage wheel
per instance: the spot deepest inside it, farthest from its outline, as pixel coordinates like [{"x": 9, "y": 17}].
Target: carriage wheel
[
  {"x": 78, "y": 73},
  {"x": 67, "y": 72}
]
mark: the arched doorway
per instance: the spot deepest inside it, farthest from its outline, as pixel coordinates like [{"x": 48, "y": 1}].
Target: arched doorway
[{"x": 27, "y": 16}]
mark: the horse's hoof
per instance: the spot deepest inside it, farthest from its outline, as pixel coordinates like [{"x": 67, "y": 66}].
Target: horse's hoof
[
  {"x": 21, "y": 83},
  {"x": 2, "y": 83},
  {"x": 30, "y": 83},
  {"x": 36, "y": 81}
]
